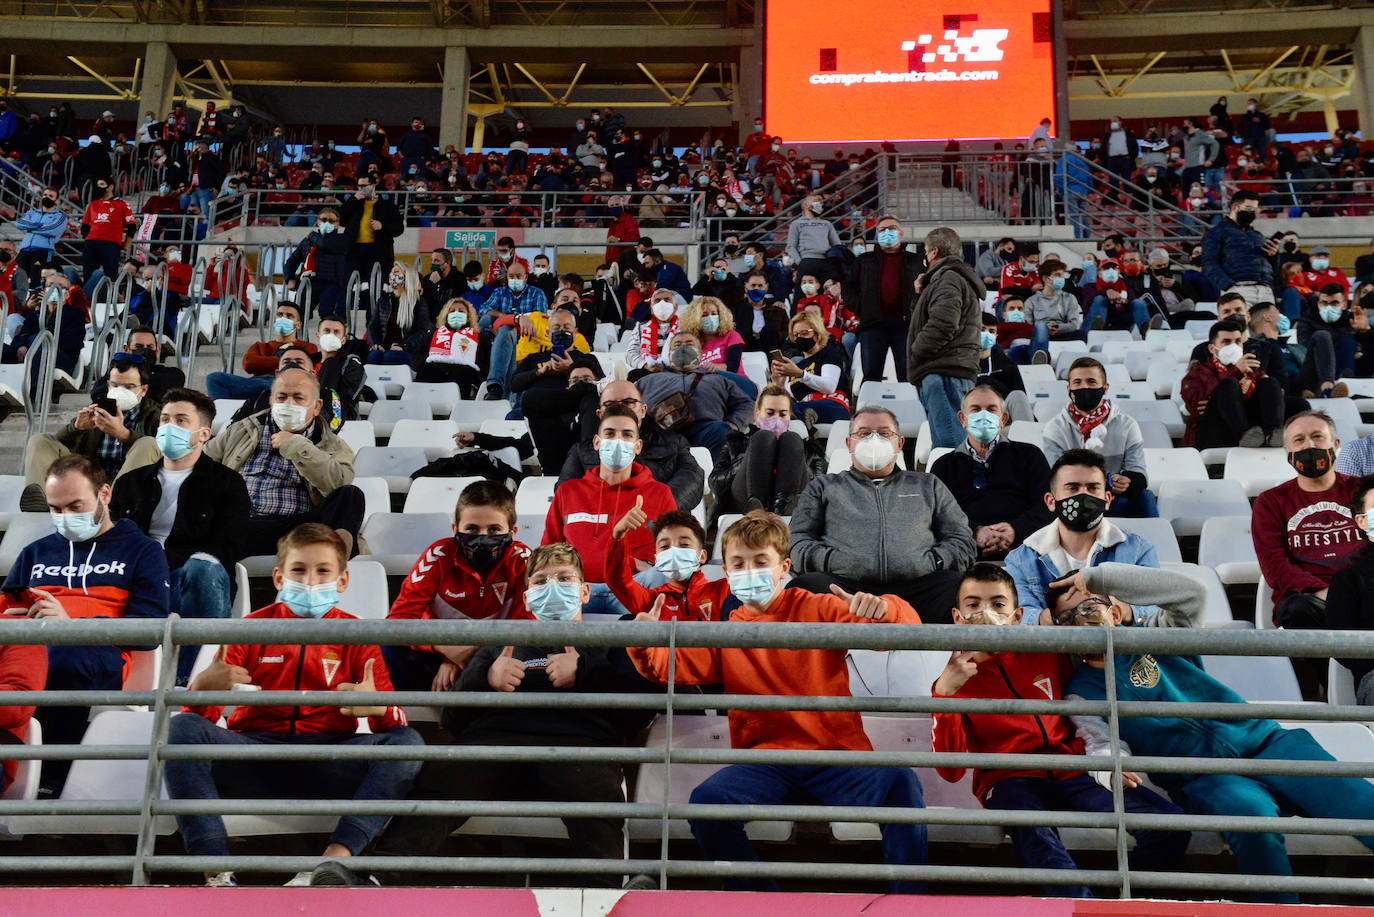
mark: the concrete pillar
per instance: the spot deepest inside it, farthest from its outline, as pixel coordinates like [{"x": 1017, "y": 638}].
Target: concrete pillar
[
  {"x": 1364, "y": 79},
  {"x": 159, "y": 80},
  {"x": 453, "y": 109}
]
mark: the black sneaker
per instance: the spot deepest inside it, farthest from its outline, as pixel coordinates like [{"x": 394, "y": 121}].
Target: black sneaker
[
  {"x": 640, "y": 883},
  {"x": 333, "y": 874},
  {"x": 1252, "y": 438},
  {"x": 32, "y": 499},
  {"x": 494, "y": 393}
]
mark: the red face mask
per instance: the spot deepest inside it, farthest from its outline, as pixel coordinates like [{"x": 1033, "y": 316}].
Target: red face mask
[{"x": 1132, "y": 270}]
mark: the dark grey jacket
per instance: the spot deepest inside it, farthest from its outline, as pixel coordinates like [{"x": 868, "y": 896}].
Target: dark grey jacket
[{"x": 946, "y": 322}]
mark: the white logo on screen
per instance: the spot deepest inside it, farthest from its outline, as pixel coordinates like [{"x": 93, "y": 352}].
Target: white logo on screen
[{"x": 979, "y": 47}]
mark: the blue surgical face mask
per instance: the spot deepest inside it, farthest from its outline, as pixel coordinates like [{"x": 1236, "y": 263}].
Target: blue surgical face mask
[
  {"x": 677, "y": 563},
  {"x": 78, "y": 526},
  {"x": 1057, "y": 283},
  {"x": 749, "y": 260},
  {"x": 986, "y": 340},
  {"x": 1285, "y": 324},
  {"x": 617, "y": 454},
  {"x": 457, "y": 319},
  {"x": 517, "y": 285},
  {"x": 719, "y": 274},
  {"x": 984, "y": 426},
  {"x": 1014, "y": 315},
  {"x": 888, "y": 238},
  {"x": 1109, "y": 275},
  {"x": 1320, "y": 264},
  {"x": 283, "y": 326},
  {"x": 474, "y": 284},
  {"x": 554, "y": 601},
  {"x": 173, "y": 442},
  {"x": 710, "y": 323},
  {"x": 1330, "y": 314},
  {"x": 308, "y": 601},
  {"x": 756, "y": 295},
  {"x": 753, "y": 587}
]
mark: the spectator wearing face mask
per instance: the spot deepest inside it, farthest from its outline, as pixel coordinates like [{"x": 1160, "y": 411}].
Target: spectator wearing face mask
[
  {"x": 1053, "y": 313},
  {"x": 722, "y": 347},
  {"x": 1112, "y": 306},
  {"x": 1229, "y": 399},
  {"x": 506, "y": 257},
  {"x": 552, "y": 349},
  {"x": 61, "y": 304},
  {"x": 296, "y": 469},
  {"x": 996, "y": 369},
  {"x": 1237, "y": 256},
  {"x": 1304, "y": 284},
  {"x": 815, "y": 372},
  {"x": 371, "y": 225},
  {"x": 881, "y": 290},
  {"x": 1326, "y": 330},
  {"x": 681, "y": 549},
  {"x": 452, "y": 353},
  {"x": 322, "y": 257},
  {"x": 398, "y": 329},
  {"x": 105, "y": 225},
  {"x": 943, "y": 341},
  {"x": 715, "y": 405},
  {"x": 766, "y": 465},
  {"x": 990, "y": 263},
  {"x": 415, "y": 146},
  {"x": 115, "y": 440},
  {"x": 810, "y": 237},
  {"x": 1200, "y": 152},
  {"x": 755, "y": 145},
  {"x": 585, "y": 512},
  {"x": 474, "y": 575},
  {"x": 877, "y": 528},
  {"x": 650, "y": 348},
  {"x": 43, "y": 225},
  {"x": 720, "y": 282},
  {"x": 1120, "y": 149},
  {"x": 504, "y": 313},
  {"x": 141, "y": 343},
  {"x": 260, "y": 362}
]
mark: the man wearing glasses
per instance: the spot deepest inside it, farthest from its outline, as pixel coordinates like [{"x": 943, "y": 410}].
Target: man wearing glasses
[
  {"x": 1078, "y": 538},
  {"x": 116, "y": 432},
  {"x": 667, "y": 455},
  {"x": 877, "y": 528}
]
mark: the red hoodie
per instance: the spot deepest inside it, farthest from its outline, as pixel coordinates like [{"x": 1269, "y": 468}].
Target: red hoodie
[
  {"x": 22, "y": 668},
  {"x": 585, "y": 509},
  {"x": 702, "y": 600},
  {"x": 443, "y": 586},
  {"x": 296, "y": 667},
  {"x": 1002, "y": 676}
]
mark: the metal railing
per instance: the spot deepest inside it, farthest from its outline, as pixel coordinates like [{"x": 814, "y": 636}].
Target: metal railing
[
  {"x": 174, "y": 632},
  {"x": 1333, "y": 196}
]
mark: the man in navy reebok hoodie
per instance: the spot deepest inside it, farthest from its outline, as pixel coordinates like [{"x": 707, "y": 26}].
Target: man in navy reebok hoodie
[{"x": 90, "y": 567}]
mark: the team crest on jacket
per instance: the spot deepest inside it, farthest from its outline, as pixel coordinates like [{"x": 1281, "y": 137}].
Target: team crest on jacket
[
  {"x": 1145, "y": 672},
  {"x": 330, "y": 661},
  {"x": 705, "y": 609},
  {"x": 1044, "y": 684},
  {"x": 500, "y": 590}
]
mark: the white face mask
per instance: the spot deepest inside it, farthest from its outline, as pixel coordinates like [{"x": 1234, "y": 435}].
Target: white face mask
[
  {"x": 874, "y": 452},
  {"x": 290, "y": 417},
  {"x": 330, "y": 343},
  {"x": 663, "y": 309},
  {"x": 1230, "y": 354},
  {"x": 124, "y": 399}
]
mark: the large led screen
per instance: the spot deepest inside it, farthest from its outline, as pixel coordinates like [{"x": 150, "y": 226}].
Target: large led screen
[{"x": 872, "y": 70}]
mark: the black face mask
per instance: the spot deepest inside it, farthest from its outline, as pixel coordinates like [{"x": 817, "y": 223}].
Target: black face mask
[
  {"x": 731, "y": 249},
  {"x": 483, "y": 551},
  {"x": 1312, "y": 463},
  {"x": 803, "y": 344},
  {"x": 1086, "y": 399},
  {"x": 1290, "y": 247},
  {"x": 1245, "y": 218},
  {"x": 1081, "y": 512},
  {"x": 149, "y": 354},
  {"x": 6, "y": 257},
  {"x": 561, "y": 338}
]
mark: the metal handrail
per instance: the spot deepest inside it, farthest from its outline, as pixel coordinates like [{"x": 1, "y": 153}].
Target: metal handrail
[
  {"x": 174, "y": 632},
  {"x": 44, "y": 344}
]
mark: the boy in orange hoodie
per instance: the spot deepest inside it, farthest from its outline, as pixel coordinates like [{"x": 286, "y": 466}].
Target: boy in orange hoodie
[
  {"x": 756, "y": 562},
  {"x": 679, "y": 552},
  {"x": 585, "y": 510},
  {"x": 311, "y": 572},
  {"x": 987, "y": 596}
]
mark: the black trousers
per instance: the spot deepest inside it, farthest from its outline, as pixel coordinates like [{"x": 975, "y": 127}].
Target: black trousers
[
  {"x": 343, "y": 509},
  {"x": 560, "y": 781},
  {"x": 32, "y": 261},
  {"x": 1229, "y": 414},
  {"x": 773, "y": 466},
  {"x": 933, "y": 595}
]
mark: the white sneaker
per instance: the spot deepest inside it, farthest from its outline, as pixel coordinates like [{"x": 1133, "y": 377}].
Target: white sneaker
[
  {"x": 221, "y": 880},
  {"x": 299, "y": 880}
]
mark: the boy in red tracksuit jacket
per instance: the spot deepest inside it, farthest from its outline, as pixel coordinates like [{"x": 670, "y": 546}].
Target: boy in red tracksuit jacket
[
  {"x": 478, "y": 574},
  {"x": 679, "y": 545},
  {"x": 756, "y": 558},
  {"x": 311, "y": 572},
  {"x": 987, "y": 595},
  {"x": 584, "y": 510},
  {"x": 1230, "y": 400}
]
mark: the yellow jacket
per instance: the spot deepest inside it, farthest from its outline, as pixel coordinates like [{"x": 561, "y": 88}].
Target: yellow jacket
[{"x": 540, "y": 341}]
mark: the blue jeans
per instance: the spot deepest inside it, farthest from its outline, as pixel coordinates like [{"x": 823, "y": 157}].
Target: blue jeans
[
  {"x": 1041, "y": 848},
  {"x": 603, "y": 602},
  {"x": 199, "y": 589},
  {"x": 942, "y": 397},
  {"x": 502, "y": 358},
  {"x": 204, "y": 835},
  {"x": 876, "y": 340},
  {"x": 710, "y": 434},
  {"x": 228, "y": 385},
  {"x": 1140, "y": 314},
  {"x": 1041, "y": 337},
  {"x": 1142, "y": 506},
  {"x": 1314, "y": 797},
  {"x": 762, "y": 784},
  {"x": 202, "y": 197},
  {"x": 1290, "y": 302},
  {"x": 389, "y": 357}
]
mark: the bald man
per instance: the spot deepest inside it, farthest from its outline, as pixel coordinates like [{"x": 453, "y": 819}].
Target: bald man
[{"x": 668, "y": 456}]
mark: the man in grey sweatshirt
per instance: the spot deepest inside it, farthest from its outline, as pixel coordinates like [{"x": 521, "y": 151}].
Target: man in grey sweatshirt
[
  {"x": 876, "y": 528},
  {"x": 809, "y": 238}
]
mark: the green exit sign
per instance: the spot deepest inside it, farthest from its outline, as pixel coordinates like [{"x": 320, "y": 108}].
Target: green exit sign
[{"x": 469, "y": 238}]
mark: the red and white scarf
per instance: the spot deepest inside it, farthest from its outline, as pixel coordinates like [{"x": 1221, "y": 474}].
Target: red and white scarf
[
  {"x": 652, "y": 336},
  {"x": 449, "y": 346},
  {"x": 1247, "y": 384},
  {"x": 1090, "y": 424}
]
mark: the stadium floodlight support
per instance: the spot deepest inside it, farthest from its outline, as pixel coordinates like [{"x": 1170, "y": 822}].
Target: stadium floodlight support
[{"x": 174, "y": 632}]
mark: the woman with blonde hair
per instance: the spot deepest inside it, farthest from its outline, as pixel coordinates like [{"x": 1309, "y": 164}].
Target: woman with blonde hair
[
  {"x": 767, "y": 465},
  {"x": 722, "y": 347},
  {"x": 816, "y": 373},
  {"x": 452, "y": 355},
  {"x": 398, "y": 329}
]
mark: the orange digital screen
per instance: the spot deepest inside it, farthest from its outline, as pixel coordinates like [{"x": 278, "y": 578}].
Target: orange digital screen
[{"x": 872, "y": 70}]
